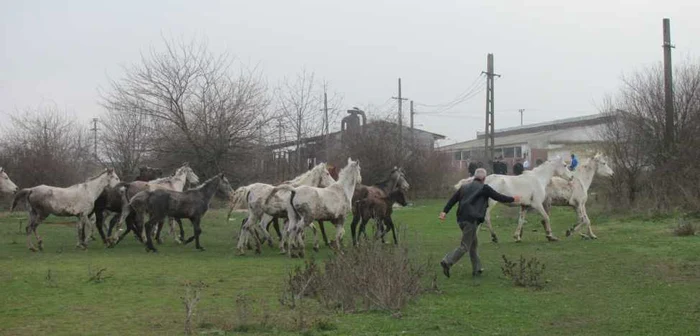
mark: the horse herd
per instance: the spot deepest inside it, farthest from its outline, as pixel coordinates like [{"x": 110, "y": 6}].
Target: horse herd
[{"x": 311, "y": 197}]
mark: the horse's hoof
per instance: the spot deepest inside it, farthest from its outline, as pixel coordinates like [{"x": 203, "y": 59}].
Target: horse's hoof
[
  {"x": 494, "y": 239},
  {"x": 316, "y": 248},
  {"x": 552, "y": 238},
  {"x": 41, "y": 245},
  {"x": 258, "y": 251},
  {"x": 201, "y": 249},
  {"x": 33, "y": 249},
  {"x": 568, "y": 233},
  {"x": 593, "y": 237}
]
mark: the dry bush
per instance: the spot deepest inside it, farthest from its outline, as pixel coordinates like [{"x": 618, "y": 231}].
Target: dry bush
[
  {"x": 190, "y": 299},
  {"x": 685, "y": 228},
  {"x": 373, "y": 277},
  {"x": 524, "y": 273},
  {"x": 649, "y": 174}
]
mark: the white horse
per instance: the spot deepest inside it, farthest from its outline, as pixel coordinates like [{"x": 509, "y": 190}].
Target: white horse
[
  {"x": 309, "y": 204},
  {"x": 176, "y": 182},
  {"x": 6, "y": 185},
  {"x": 76, "y": 200},
  {"x": 261, "y": 212},
  {"x": 531, "y": 187},
  {"x": 575, "y": 193}
]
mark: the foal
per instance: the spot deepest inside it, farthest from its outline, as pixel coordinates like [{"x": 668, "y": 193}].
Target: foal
[
  {"x": 191, "y": 204},
  {"x": 380, "y": 208}
]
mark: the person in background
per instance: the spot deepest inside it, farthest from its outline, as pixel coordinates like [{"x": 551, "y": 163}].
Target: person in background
[
  {"x": 526, "y": 163},
  {"x": 574, "y": 162},
  {"x": 472, "y": 199},
  {"x": 518, "y": 168}
]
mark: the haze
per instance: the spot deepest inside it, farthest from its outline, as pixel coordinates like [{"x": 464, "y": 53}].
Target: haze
[{"x": 558, "y": 59}]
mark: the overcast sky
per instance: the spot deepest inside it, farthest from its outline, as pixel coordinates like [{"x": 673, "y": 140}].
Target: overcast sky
[{"x": 557, "y": 58}]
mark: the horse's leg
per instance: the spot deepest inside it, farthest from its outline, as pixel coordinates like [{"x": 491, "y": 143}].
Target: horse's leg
[
  {"x": 284, "y": 244},
  {"x": 339, "y": 231},
  {"x": 276, "y": 225},
  {"x": 487, "y": 220},
  {"x": 588, "y": 222},
  {"x": 266, "y": 219},
  {"x": 547, "y": 227},
  {"x": 521, "y": 221},
  {"x": 363, "y": 227},
  {"x": 159, "y": 228},
  {"x": 181, "y": 235},
  {"x": 242, "y": 236},
  {"x": 315, "y": 231},
  {"x": 80, "y": 230},
  {"x": 149, "y": 238},
  {"x": 392, "y": 227},
  {"x": 99, "y": 222},
  {"x": 31, "y": 227},
  {"x": 197, "y": 232},
  {"x": 323, "y": 232},
  {"x": 112, "y": 222},
  {"x": 353, "y": 226}
]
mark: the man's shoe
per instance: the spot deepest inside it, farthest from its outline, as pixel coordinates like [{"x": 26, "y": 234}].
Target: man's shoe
[{"x": 445, "y": 268}]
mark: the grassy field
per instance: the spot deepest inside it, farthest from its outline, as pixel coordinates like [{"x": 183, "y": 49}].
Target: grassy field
[{"x": 637, "y": 279}]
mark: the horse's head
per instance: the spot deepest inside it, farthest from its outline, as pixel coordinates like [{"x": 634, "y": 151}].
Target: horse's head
[
  {"x": 399, "y": 176},
  {"x": 398, "y": 196},
  {"x": 322, "y": 175},
  {"x": 112, "y": 178},
  {"x": 6, "y": 185},
  {"x": 561, "y": 169},
  {"x": 225, "y": 189},
  {"x": 353, "y": 168},
  {"x": 188, "y": 173},
  {"x": 602, "y": 167}
]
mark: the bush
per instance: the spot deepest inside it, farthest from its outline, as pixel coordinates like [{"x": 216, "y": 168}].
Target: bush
[
  {"x": 374, "y": 277},
  {"x": 685, "y": 228},
  {"x": 524, "y": 273}
]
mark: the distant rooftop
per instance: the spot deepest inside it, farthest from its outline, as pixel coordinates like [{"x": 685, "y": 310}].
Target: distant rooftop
[{"x": 571, "y": 130}]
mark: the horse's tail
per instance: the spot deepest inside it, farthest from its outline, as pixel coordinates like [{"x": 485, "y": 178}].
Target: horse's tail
[
  {"x": 278, "y": 188},
  {"x": 19, "y": 196},
  {"x": 239, "y": 198},
  {"x": 291, "y": 203}
]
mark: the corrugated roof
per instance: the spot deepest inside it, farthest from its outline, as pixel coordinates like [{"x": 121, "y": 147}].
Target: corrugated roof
[{"x": 583, "y": 134}]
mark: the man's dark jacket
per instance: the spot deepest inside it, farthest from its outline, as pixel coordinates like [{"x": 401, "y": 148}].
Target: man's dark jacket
[{"x": 473, "y": 200}]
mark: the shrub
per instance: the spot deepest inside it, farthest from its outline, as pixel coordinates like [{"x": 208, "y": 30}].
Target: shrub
[
  {"x": 373, "y": 277},
  {"x": 524, "y": 273},
  {"x": 685, "y": 228}
]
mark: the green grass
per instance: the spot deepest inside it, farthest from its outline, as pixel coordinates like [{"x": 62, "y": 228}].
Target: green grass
[{"x": 636, "y": 279}]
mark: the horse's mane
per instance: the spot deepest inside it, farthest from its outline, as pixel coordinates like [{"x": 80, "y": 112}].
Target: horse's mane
[
  {"x": 167, "y": 178},
  {"x": 97, "y": 176},
  {"x": 302, "y": 176},
  {"x": 343, "y": 172},
  {"x": 205, "y": 183}
]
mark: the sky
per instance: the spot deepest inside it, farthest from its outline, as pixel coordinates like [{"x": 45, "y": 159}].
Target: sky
[{"x": 557, "y": 59}]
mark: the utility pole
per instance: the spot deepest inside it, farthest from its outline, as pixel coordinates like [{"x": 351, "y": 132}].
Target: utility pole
[
  {"x": 94, "y": 130},
  {"x": 668, "y": 84},
  {"x": 521, "y": 116},
  {"x": 412, "y": 113},
  {"x": 325, "y": 122},
  {"x": 400, "y": 100},
  {"x": 489, "y": 133}
]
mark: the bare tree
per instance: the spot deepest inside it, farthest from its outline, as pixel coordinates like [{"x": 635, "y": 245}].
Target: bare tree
[
  {"x": 46, "y": 146},
  {"x": 201, "y": 109},
  {"x": 126, "y": 140},
  {"x": 300, "y": 108},
  {"x": 634, "y": 137}
]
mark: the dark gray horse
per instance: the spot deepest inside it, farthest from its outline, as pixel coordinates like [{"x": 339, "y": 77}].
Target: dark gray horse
[
  {"x": 191, "y": 204},
  {"x": 147, "y": 173}
]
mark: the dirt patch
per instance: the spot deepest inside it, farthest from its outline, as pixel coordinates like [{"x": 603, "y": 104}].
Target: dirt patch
[{"x": 677, "y": 272}]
